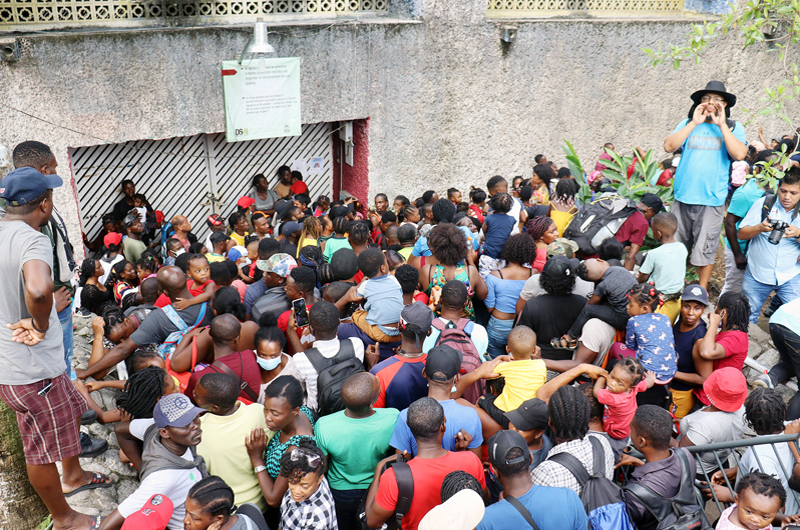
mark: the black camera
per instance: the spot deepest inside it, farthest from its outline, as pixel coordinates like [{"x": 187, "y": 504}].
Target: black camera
[{"x": 778, "y": 228}]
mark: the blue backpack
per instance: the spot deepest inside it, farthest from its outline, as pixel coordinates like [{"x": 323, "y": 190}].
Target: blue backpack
[
  {"x": 601, "y": 498},
  {"x": 174, "y": 338}
]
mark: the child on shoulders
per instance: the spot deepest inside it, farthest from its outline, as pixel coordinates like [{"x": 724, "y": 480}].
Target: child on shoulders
[
  {"x": 497, "y": 228},
  {"x": 199, "y": 283},
  {"x": 617, "y": 392}
]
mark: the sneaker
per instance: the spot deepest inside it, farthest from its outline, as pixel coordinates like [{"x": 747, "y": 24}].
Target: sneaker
[
  {"x": 764, "y": 381},
  {"x": 91, "y": 447}
]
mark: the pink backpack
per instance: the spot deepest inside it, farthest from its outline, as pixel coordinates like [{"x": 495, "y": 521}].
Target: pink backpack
[{"x": 457, "y": 336}]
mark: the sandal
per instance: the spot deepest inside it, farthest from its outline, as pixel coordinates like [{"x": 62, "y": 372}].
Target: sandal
[
  {"x": 95, "y": 522},
  {"x": 563, "y": 343},
  {"x": 98, "y": 481}
]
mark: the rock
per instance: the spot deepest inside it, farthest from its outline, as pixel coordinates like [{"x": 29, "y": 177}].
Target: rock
[
  {"x": 758, "y": 335},
  {"x": 769, "y": 358},
  {"x": 754, "y": 349}
]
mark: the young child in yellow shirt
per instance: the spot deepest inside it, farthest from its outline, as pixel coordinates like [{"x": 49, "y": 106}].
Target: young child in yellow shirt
[{"x": 524, "y": 373}]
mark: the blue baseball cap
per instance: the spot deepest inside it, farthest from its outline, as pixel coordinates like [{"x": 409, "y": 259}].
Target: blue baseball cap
[{"x": 25, "y": 184}]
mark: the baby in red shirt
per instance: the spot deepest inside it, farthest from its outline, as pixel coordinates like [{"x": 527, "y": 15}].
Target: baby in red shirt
[{"x": 618, "y": 393}]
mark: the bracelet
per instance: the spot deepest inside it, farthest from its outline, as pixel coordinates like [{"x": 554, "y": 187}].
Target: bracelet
[
  {"x": 259, "y": 469},
  {"x": 37, "y": 330}
]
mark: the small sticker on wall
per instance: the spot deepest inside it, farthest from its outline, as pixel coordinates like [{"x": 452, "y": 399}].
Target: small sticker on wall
[{"x": 316, "y": 165}]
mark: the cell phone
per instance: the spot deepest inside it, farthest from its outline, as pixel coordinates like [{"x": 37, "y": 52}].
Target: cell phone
[
  {"x": 300, "y": 312},
  {"x": 792, "y": 526},
  {"x": 48, "y": 384}
]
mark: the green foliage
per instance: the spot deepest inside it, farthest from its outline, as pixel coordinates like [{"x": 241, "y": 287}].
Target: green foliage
[
  {"x": 772, "y": 24},
  {"x": 584, "y": 194},
  {"x": 639, "y": 183}
]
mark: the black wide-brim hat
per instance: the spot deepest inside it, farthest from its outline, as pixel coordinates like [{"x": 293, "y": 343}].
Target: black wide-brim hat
[{"x": 717, "y": 87}]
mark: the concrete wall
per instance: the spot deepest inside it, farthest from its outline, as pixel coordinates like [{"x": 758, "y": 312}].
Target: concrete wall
[{"x": 448, "y": 104}]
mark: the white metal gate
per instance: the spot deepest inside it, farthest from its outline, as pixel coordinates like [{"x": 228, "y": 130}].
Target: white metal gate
[{"x": 192, "y": 175}]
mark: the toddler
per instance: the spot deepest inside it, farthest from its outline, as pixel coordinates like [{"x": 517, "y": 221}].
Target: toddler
[
  {"x": 382, "y": 295},
  {"x": 454, "y": 196},
  {"x": 650, "y": 335},
  {"x": 524, "y": 373},
  {"x": 199, "y": 283},
  {"x": 618, "y": 392},
  {"x": 146, "y": 267},
  {"x": 609, "y": 302},
  {"x": 497, "y": 228},
  {"x": 140, "y": 205},
  {"x": 758, "y": 498},
  {"x": 665, "y": 266},
  {"x": 308, "y": 503}
]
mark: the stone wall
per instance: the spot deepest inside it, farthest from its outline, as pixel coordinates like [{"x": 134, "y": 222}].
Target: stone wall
[{"x": 449, "y": 105}]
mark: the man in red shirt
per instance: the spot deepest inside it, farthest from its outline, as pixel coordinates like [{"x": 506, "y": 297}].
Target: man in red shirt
[
  {"x": 428, "y": 469},
  {"x": 634, "y": 229}
]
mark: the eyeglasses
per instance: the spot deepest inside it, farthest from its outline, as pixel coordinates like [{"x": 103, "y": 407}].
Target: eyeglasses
[
  {"x": 312, "y": 459},
  {"x": 709, "y": 99}
]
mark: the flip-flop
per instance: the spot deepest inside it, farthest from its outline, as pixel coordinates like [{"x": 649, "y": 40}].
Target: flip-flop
[
  {"x": 95, "y": 522},
  {"x": 98, "y": 481},
  {"x": 557, "y": 343}
]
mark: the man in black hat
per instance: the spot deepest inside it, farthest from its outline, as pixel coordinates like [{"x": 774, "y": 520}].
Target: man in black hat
[
  {"x": 710, "y": 142},
  {"x": 509, "y": 456}
]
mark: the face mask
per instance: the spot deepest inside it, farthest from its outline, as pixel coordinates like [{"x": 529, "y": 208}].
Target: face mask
[
  {"x": 268, "y": 364},
  {"x": 178, "y": 252}
]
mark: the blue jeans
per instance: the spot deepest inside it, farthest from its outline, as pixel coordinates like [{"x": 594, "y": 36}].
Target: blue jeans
[
  {"x": 65, "y": 317},
  {"x": 757, "y": 292},
  {"x": 498, "y": 331}
]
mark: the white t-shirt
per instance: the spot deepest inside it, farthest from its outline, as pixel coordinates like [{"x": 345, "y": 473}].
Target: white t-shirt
[
  {"x": 174, "y": 483},
  {"x": 308, "y": 375}
]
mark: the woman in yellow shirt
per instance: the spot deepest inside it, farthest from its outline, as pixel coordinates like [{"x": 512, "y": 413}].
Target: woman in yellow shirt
[{"x": 562, "y": 207}]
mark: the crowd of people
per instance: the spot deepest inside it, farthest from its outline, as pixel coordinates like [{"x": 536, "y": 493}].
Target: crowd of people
[{"x": 431, "y": 363}]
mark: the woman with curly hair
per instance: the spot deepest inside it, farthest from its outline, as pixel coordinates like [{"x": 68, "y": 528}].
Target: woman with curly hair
[
  {"x": 450, "y": 249},
  {"x": 543, "y": 231},
  {"x": 504, "y": 286}
]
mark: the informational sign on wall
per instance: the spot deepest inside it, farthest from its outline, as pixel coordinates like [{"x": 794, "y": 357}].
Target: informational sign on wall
[{"x": 262, "y": 98}]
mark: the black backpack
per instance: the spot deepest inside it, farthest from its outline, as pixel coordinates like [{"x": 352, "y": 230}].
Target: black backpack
[
  {"x": 597, "y": 221},
  {"x": 602, "y": 499},
  {"x": 681, "y": 512},
  {"x": 405, "y": 494},
  {"x": 332, "y": 374}
]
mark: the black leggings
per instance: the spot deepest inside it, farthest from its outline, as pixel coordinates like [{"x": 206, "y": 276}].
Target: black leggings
[
  {"x": 606, "y": 313},
  {"x": 787, "y": 343}
]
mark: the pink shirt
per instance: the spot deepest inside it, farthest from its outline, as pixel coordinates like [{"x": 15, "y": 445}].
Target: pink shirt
[
  {"x": 619, "y": 410},
  {"x": 724, "y": 522}
]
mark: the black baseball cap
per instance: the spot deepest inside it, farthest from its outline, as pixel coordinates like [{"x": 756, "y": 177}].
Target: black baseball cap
[
  {"x": 651, "y": 200},
  {"x": 218, "y": 237},
  {"x": 443, "y": 363},
  {"x": 695, "y": 293},
  {"x": 532, "y": 414},
  {"x": 502, "y": 443},
  {"x": 340, "y": 211},
  {"x": 25, "y": 184},
  {"x": 558, "y": 266}
]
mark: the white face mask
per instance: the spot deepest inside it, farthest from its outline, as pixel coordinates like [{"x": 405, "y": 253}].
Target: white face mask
[
  {"x": 177, "y": 253},
  {"x": 269, "y": 364}
]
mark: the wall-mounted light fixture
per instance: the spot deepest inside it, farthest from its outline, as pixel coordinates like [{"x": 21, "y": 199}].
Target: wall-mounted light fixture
[
  {"x": 258, "y": 42},
  {"x": 509, "y": 32}
]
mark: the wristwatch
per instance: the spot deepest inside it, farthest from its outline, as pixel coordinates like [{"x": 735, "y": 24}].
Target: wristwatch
[{"x": 259, "y": 469}]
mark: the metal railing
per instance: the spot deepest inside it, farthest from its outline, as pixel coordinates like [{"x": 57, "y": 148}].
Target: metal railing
[
  {"x": 731, "y": 446},
  {"x": 26, "y": 15},
  {"x": 522, "y": 8}
]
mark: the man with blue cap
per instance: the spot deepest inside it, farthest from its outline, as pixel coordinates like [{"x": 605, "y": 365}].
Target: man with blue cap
[
  {"x": 34, "y": 381},
  {"x": 170, "y": 463}
]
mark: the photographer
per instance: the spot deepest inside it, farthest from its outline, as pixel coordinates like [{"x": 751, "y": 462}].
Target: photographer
[{"x": 773, "y": 252}]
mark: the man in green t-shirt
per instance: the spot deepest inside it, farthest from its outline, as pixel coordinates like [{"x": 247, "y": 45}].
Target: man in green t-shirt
[{"x": 353, "y": 457}]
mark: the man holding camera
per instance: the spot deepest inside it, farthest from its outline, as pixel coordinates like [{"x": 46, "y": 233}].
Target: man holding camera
[{"x": 772, "y": 226}]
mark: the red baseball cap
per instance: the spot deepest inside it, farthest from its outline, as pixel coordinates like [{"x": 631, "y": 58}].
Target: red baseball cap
[
  {"x": 159, "y": 216},
  {"x": 245, "y": 202},
  {"x": 215, "y": 219},
  {"x": 112, "y": 238},
  {"x": 726, "y": 389},
  {"x": 154, "y": 515}
]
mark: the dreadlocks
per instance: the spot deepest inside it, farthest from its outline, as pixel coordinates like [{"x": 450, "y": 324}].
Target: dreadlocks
[
  {"x": 142, "y": 392},
  {"x": 737, "y": 308},
  {"x": 765, "y": 411}
]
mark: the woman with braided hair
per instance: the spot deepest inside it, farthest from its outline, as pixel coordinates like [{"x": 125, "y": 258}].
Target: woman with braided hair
[
  {"x": 209, "y": 506},
  {"x": 543, "y": 231}
]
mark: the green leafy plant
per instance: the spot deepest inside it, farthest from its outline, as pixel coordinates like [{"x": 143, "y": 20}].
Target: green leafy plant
[
  {"x": 584, "y": 194},
  {"x": 644, "y": 171}
]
